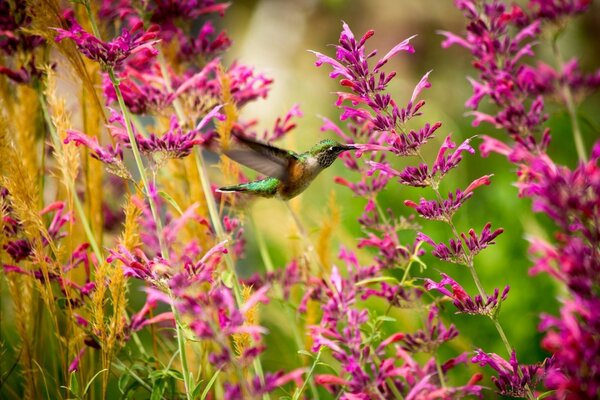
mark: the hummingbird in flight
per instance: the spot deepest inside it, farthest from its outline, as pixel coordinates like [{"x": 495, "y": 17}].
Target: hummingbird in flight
[{"x": 288, "y": 173}]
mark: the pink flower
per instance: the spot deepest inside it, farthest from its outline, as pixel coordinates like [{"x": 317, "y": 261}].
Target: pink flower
[{"x": 110, "y": 55}]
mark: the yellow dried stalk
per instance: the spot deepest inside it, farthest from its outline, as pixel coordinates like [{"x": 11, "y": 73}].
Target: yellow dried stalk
[
  {"x": 194, "y": 186},
  {"x": 229, "y": 109},
  {"x": 20, "y": 288},
  {"x": 67, "y": 156},
  {"x": 24, "y": 198},
  {"x": 26, "y": 105},
  {"x": 330, "y": 221},
  {"x": 21, "y": 185},
  {"x": 20, "y": 291},
  {"x": 39, "y": 259},
  {"x": 313, "y": 316},
  {"x": 130, "y": 237},
  {"x": 243, "y": 341},
  {"x": 117, "y": 321},
  {"x": 97, "y": 313},
  {"x": 94, "y": 174},
  {"x": 229, "y": 169},
  {"x": 47, "y": 15}
]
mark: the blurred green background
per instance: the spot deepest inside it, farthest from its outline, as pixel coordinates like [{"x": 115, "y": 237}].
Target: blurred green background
[{"x": 274, "y": 36}]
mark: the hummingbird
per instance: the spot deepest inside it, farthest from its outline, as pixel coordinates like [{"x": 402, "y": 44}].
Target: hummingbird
[{"x": 288, "y": 173}]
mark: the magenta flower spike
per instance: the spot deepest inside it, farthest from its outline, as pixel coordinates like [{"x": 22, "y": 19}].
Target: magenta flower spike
[
  {"x": 465, "y": 303},
  {"x": 111, "y": 55}
]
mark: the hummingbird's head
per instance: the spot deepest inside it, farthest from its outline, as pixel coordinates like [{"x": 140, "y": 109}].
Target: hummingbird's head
[{"x": 327, "y": 150}]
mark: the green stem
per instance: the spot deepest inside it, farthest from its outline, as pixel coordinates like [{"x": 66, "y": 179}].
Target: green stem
[
  {"x": 570, "y": 104},
  {"x": 88, "y": 10},
  {"x": 266, "y": 257},
  {"x": 181, "y": 347},
  {"x": 390, "y": 382},
  {"x": 210, "y": 203},
  {"x": 216, "y": 221},
  {"x": 155, "y": 215},
  {"x": 380, "y": 211},
  {"x": 503, "y": 337},
  {"x": 470, "y": 265},
  {"x": 440, "y": 372},
  {"x": 477, "y": 281},
  {"x": 299, "y": 392},
  {"x": 304, "y": 236},
  {"x": 138, "y": 161}
]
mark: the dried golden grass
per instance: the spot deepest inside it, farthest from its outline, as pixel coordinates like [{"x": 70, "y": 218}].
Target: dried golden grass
[
  {"x": 48, "y": 15},
  {"x": 243, "y": 341},
  {"x": 24, "y": 203},
  {"x": 26, "y": 108},
  {"x": 94, "y": 173},
  {"x": 67, "y": 156},
  {"x": 330, "y": 222}
]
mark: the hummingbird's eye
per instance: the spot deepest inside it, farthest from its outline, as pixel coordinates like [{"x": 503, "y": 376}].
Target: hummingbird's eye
[{"x": 331, "y": 149}]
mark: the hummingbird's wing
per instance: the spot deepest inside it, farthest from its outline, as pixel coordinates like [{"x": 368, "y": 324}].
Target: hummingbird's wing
[{"x": 261, "y": 157}]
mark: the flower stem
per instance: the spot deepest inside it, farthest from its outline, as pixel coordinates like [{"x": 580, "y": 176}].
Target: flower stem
[
  {"x": 181, "y": 346},
  {"x": 264, "y": 253},
  {"x": 299, "y": 392},
  {"x": 502, "y": 335},
  {"x": 310, "y": 249},
  {"x": 438, "y": 366},
  {"x": 210, "y": 203},
  {"x": 570, "y": 104},
  {"x": 138, "y": 161},
  {"x": 475, "y": 277}
]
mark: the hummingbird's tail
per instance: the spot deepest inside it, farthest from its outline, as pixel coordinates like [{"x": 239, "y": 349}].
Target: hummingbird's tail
[
  {"x": 264, "y": 187},
  {"x": 233, "y": 188}
]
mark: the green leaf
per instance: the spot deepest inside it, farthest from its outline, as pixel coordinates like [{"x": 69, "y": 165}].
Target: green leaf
[
  {"x": 208, "y": 385},
  {"x": 158, "y": 389},
  {"x": 123, "y": 382},
  {"x": 376, "y": 280},
  {"x": 385, "y": 318},
  {"x": 92, "y": 380},
  {"x": 171, "y": 201},
  {"x": 306, "y": 353},
  {"x": 74, "y": 385},
  {"x": 546, "y": 394},
  {"x": 227, "y": 279}
]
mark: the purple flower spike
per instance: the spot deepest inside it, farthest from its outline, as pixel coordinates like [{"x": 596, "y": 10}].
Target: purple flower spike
[
  {"x": 475, "y": 244},
  {"x": 110, "y": 55},
  {"x": 431, "y": 337},
  {"x": 445, "y": 163},
  {"x": 465, "y": 303},
  {"x": 453, "y": 252},
  {"x": 434, "y": 210},
  {"x": 513, "y": 379}
]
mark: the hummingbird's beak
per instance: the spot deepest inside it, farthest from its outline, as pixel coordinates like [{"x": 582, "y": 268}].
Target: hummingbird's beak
[{"x": 349, "y": 147}]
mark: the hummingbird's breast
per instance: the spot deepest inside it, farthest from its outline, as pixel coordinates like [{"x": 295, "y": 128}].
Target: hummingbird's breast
[{"x": 301, "y": 174}]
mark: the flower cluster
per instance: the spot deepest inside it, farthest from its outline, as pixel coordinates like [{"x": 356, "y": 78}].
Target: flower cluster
[
  {"x": 18, "y": 45},
  {"x": 465, "y": 303},
  {"x": 499, "y": 37},
  {"x": 376, "y": 119},
  {"x": 177, "y": 20},
  {"x": 111, "y": 55},
  {"x": 513, "y": 379},
  {"x": 372, "y": 365}
]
